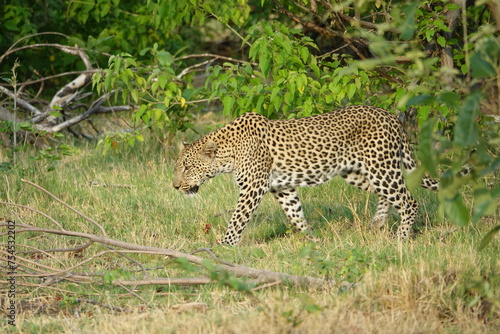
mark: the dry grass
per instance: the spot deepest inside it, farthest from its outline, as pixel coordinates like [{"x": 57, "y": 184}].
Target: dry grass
[{"x": 437, "y": 283}]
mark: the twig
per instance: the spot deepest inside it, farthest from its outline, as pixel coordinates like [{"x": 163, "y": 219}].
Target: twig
[
  {"x": 54, "y": 250},
  {"x": 309, "y": 25},
  {"x": 201, "y": 100},
  {"x": 96, "y": 105},
  {"x": 31, "y": 209},
  {"x": 101, "y": 184},
  {"x": 12, "y": 50},
  {"x": 211, "y": 55},
  {"x": 34, "y": 285},
  {"x": 134, "y": 294},
  {"x": 50, "y": 77},
  {"x": 140, "y": 265},
  {"x": 368, "y": 25},
  {"x": 189, "y": 68},
  {"x": 265, "y": 286},
  {"x": 166, "y": 281},
  {"x": 93, "y": 302},
  {"x": 57, "y": 275},
  {"x": 97, "y": 110},
  {"x": 209, "y": 251},
  {"x": 67, "y": 205},
  {"x": 69, "y": 92}
]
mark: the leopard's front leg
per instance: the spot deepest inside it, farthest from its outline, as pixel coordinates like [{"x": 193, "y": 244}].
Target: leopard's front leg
[{"x": 247, "y": 203}]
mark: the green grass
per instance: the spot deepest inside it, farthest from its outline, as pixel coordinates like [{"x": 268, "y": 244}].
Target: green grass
[{"x": 437, "y": 282}]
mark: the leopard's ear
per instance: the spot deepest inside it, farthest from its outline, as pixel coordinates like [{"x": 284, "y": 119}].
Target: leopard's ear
[
  {"x": 182, "y": 145},
  {"x": 208, "y": 150}
]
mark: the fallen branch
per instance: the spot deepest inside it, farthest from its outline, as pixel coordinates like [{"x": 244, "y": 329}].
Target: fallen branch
[
  {"x": 54, "y": 275},
  {"x": 259, "y": 275},
  {"x": 167, "y": 281}
]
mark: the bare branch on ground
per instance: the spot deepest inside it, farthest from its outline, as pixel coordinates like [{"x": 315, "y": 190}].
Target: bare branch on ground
[{"x": 58, "y": 271}]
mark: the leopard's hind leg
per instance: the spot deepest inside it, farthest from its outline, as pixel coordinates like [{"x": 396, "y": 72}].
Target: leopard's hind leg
[{"x": 361, "y": 181}]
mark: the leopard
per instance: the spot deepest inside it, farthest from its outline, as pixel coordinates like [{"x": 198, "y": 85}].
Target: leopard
[{"x": 367, "y": 146}]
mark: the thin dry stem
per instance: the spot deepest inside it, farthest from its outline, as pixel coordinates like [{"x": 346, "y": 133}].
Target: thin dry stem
[{"x": 67, "y": 205}]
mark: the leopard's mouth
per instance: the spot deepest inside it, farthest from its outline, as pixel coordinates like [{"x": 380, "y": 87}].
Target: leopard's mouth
[{"x": 192, "y": 191}]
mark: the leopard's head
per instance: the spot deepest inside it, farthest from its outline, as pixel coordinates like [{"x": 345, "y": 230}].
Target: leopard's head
[{"x": 195, "y": 165}]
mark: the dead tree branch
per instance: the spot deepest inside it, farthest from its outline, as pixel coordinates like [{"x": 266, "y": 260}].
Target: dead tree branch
[
  {"x": 22, "y": 103},
  {"x": 11, "y": 49},
  {"x": 62, "y": 99},
  {"x": 167, "y": 281},
  {"x": 261, "y": 276},
  {"x": 54, "y": 275},
  {"x": 69, "y": 93}
]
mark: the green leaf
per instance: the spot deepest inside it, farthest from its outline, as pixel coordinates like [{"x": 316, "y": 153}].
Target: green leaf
[
  {"x": 11, "y": 25},
  {"x": 274, "y": 93},
  {"x": 452, "y": 6},
  {"x": 228, "y": 102},
  {"x": 423, "y": 113},
  {"x": 466, "y": 127},
  {"x": 289, "y": 96},
  {"x": 441, "y": 41},
  {"x": 484, "y": 203},
  {"x": 408, "y": 27},
  {"x": 420, "y": 99},
  {"x": 265, "y": 64},
  {"x": 260, "y": 102},
  {"x": 425, "y": 151},
  {"x": 135, "y": 95},
  {"x": 208, "y": 265},
  {"x": 451, "y": 99},
  {"x": 481, "y": 67},
  {"x": 304, "y": 54},
  {"x": 351, "y": 90},
  {"x": 14, "y": 127},
  {"x": 55, "y": 113},
  {"x": 456, "y": 210},
  {"x": 414, "y": 179},
  {"x": 105, "y": 9},
  {"x": 489, "y": 236},
  {"x": 165, "y": 58},
  {"x": 26, "y": 126}
]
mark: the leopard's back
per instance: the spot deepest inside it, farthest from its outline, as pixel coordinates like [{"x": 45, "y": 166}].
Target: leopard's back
[{"x": 311, "y": 150}]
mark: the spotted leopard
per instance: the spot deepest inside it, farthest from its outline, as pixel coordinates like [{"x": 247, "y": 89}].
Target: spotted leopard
[{"x": 364, "y": 145}]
